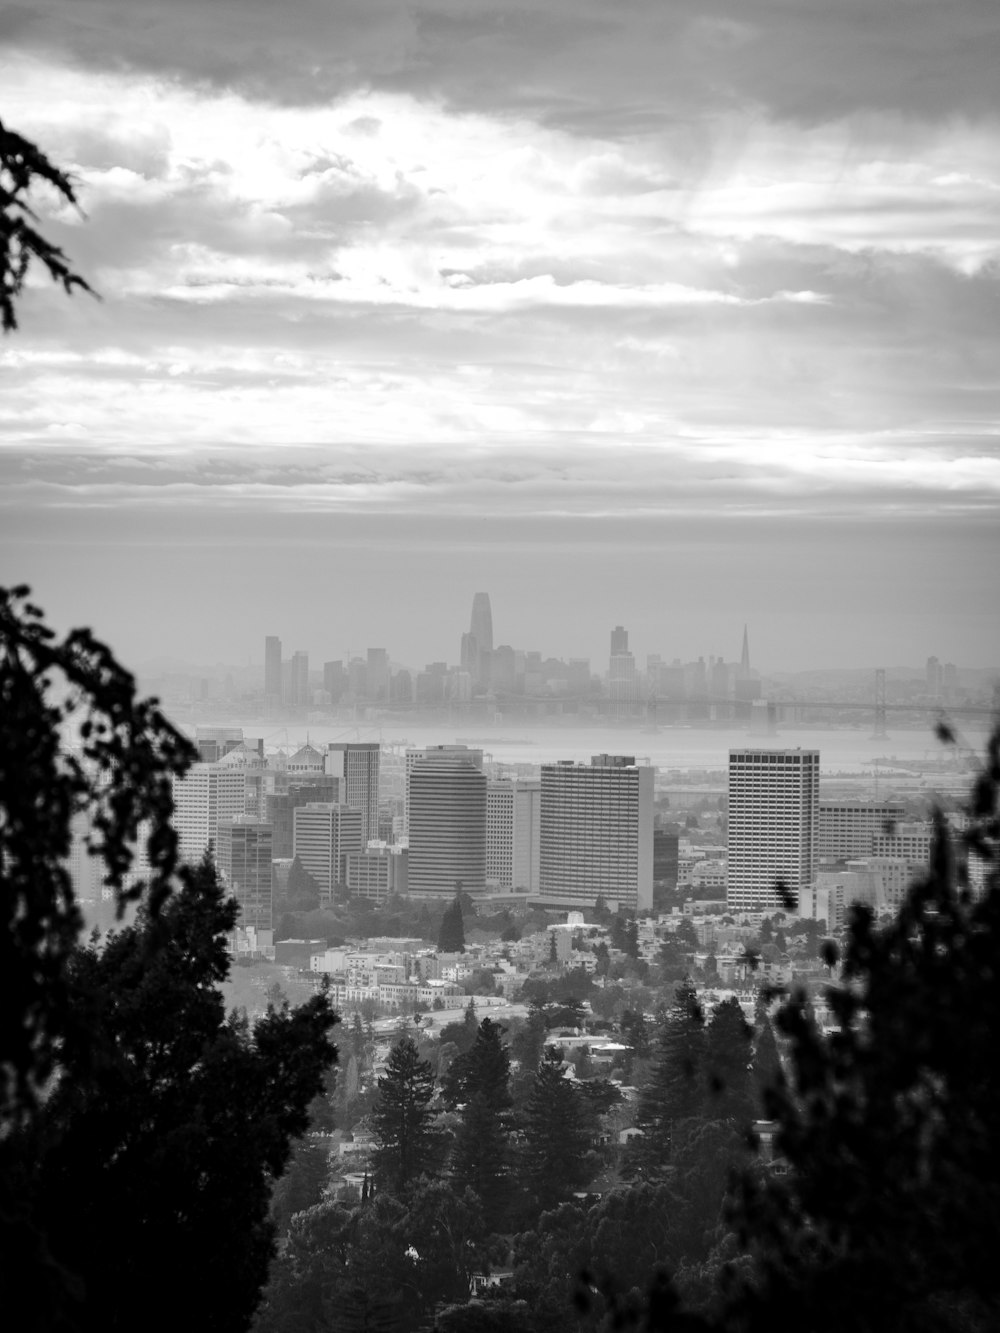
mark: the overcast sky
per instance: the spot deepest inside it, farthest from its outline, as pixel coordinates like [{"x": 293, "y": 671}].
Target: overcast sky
[{"x": 657, "y": 312}]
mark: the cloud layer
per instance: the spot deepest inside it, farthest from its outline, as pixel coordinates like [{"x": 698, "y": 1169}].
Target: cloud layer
[{"x": 524, "y": 261}]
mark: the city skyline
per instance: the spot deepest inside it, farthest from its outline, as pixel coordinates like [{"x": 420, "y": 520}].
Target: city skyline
[{"x": 644, "y": 316}]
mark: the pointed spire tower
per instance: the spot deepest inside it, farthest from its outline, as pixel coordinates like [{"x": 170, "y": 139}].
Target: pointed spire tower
[{"x": 745, "y": 655}]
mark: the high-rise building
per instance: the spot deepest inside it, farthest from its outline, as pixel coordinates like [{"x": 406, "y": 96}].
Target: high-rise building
[
  {"x": 623, "y": 680},
  {"x": 243, "y": 855},
  {"x": 377, "y": 679},
  {"x": 281, "y": 807},
  {"x": 298, "y": 685},
  {"x": 206, "y": 795},
  {"x": 500, "y": 834},
  {"x": 447, "y": 821},
  {"x": 357, "y": 764},
  {"x": 596, "y": 834},
  {"x": 847, "y": 829},
  {"x": 477, "y": 645},
  {"x": 527, "y": 834},
  {"x": 334, "y": 680},
  {"x": 323, "y": 836},
  {"x": 773, "y": 814},
  {"x": 272, "y": 673}
]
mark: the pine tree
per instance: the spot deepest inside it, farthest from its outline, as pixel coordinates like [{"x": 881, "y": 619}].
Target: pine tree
[
  {"x": 728, "y": 1055},
  {"x": 481, "y": 1159},
  {"x": 483, "y": 1070},
  {"x": 556, "y": 1158},
  {"x": 767, "y": 1072},
  {"x": 402, "y": 1118},
  {"x": 451, "y": 938},
  {"x": 673, "y": 1093}
]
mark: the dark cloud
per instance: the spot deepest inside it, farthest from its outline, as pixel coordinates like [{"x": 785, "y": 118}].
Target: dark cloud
[{"x": 579, "y": 63}]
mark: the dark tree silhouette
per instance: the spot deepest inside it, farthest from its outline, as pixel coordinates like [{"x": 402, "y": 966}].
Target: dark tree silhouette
[
  {"x": 157, "y": 1151},
  {"x": 451, "y": 938},
  {"x": 23, "y": 167},
  {"x": 407, "y": 1142}
]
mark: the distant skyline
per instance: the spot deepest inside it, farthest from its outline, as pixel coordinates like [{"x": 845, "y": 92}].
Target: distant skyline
[{"x": 629, "y": 314}]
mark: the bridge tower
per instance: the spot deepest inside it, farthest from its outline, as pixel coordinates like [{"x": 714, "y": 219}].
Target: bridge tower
[{"x": 879, "y": 732}]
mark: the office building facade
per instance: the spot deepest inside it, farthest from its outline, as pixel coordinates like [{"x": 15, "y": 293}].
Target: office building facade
[
  {"x": 243, "y": 853},
  {"x": 324, "y": 835},
  {"x": 205, "y": 796},
  {"x": 847, "y": 829},
  {"x": 596, "y": 834},
  {"x": 447, "y": 821},
  {"x": 773, "y": 814},
  {"x": 357, "y": 764}
]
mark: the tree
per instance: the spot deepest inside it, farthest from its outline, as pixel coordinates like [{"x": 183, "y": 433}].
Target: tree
[
  {"x": 407, "y": 1142},
  {"x": 483, "y": 1070},
  {"x": 728, "y": 1055},
  {"x": 556, "y": 1158},
  {"x": 451, "y": 938},
  {"x": 302, "y": 894},
  {"x": 119, "y": 779},
  {"x": 673, "y": 1093},
  {"x": 157, "y": 1149},
  {"x": 23, "y": 166}
]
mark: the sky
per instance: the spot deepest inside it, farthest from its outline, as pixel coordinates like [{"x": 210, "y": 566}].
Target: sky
[{"x": 654, "y": 313}]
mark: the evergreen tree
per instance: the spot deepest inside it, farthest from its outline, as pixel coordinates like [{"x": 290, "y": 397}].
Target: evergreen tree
[
  {"x": 673, "y": 1093},
  {"x": 556, "y": 1160},
  {"x": 23, "y": 166},
  {"x": 481, "y": 1160},
  {"x": 302, "y": 894},
  {"x": 451, "y": 938},
  {"x": 728, "y": 1055},
  {"x": 158, "y": 1152},
  {"x": 402, "y": 1118},
  {"x": 483, "y": 1070}
]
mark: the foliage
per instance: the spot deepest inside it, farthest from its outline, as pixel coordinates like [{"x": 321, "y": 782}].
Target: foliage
[
  {"x": 402, "y": 1119},
  {"x": 451, "y": 937},
  {"x": 157, "y": 1154},
  {"x": 120, "y": 778},
  {"x": 23, "y": 166},
  {"x": 674, "y": 1091},
  {"x": 557, "y": 1157},
  {"x": 483, "y": 1070}
]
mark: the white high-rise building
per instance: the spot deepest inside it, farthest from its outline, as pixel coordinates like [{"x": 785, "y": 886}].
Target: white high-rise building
[
  {"x": 513, "y": 814},
  {"x": 596, "y": 834},
  {"x": 206, "y": 795},
  {"x": 357, "y": 763},
  {"x": 848, "y": 828},
  {"x": 773, "y": 815},
  {"x": 414, "y": 757},
  {"x": 323, "y": 836},
  {"x": 447, "y": 821}
]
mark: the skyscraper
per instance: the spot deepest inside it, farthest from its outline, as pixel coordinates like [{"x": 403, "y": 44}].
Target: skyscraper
[
  {"x": 272, "y": 673},
  {"x": 243, "y": 855},
  {"x": 324, "y": 834},
  {"x": 623, "y": 683},
  {"x": 298, "y": 695},
  {"x": 596, "y": 834},
  {"x": 357, "y": 764},
  {"x": 447, "y": 821},
  {"x": 773, "y": 814},
  {"x": 377, "y": 679},
  {"x": 206, "y": 795},
  {"x": 477, "y": 645}
]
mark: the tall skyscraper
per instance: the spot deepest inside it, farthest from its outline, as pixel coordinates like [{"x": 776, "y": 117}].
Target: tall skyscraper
[
  {"x": 299, "y": 680},
  {"x": 357, "y": 764},
  {"x": 596, "y": 834},
  {"x": 377, "y": 679},
  {"x": 477, "y": 645},
  {"x": 243, "y": 855},
  {"x": 623, "y": 681},
  {"x": 847, "y": 829},
  {"x": 206, "y": 795},
  {"x": 745, "y": 654},
  {"x": 272, "y": 673},
  {"x": 773, "y": 814},
  {"x": 324, "y": 835},
  {"x": 447, "y": 821},
  {"x": 281, "y": 807}
]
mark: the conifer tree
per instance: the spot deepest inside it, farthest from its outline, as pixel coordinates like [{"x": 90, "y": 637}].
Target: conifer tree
[
  {"x": 407, "y": 1142},
  {"x": 674, "y": 1090},
  {"x": 483, "y": 1070},
  {"x": 728, "y": 1055},
  {"x": 556, "y": 1159},
  {"x": 451, "y": 938}
]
